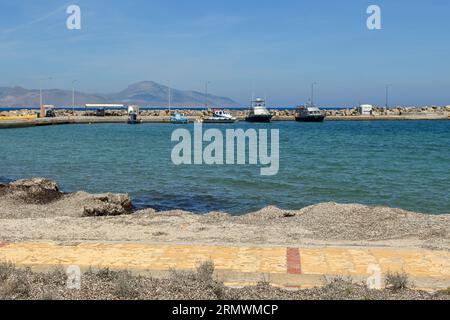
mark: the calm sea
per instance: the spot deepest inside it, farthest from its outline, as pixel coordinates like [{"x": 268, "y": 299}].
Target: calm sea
[{"x": 398, "y": 164}]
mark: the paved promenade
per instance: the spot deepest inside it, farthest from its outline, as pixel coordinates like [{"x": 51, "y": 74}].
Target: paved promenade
[{"x": 241, "y": 265}]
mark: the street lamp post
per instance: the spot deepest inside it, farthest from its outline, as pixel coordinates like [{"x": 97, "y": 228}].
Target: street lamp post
[
  {"x": 41, "y": 100},
  {"x": 73, "y": 96},
  {"x": 169, "y": 96},
  {"x": 40, "y": 94},
  {"x": 387, "y": 95},
  {"x": 206, "y": 94}
]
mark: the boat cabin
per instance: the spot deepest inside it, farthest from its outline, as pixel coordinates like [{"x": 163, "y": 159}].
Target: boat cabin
[
  {"x": 259, "y": 107},
  {"x": 309, "y": 111}
]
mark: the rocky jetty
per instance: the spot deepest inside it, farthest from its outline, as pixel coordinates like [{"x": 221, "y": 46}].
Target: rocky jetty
[
  {"x": 241, "y": 113},
  {"x": 18, "y": 113}
]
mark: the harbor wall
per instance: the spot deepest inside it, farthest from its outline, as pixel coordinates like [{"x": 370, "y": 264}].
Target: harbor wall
[{"x": 27, "y": 118}]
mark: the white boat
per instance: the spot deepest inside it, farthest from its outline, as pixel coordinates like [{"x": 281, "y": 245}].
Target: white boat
[
  {"x": 177, "y": 118},
  {"x": 309, "y": 113},
  {"x": 258, "y": 112},
  {"x": 174, "y": 117},
  {"x": 133, "y": 114},
  {"x": 220, "y": 116}
]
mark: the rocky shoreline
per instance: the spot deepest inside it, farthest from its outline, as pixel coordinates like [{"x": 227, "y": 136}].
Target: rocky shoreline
[
  {"x": 443, "y": 111},
  {"x": 36, "y": 209}
]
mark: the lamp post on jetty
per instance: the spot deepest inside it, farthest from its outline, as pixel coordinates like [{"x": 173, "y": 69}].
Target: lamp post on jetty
[
  {"x": 206, "y": 94},
  {"x": 387, "y": 95},
  {"x": 41, "y": 100},
  {"x": 169, "y": 97},
  {"x": 73, "y": 96}
]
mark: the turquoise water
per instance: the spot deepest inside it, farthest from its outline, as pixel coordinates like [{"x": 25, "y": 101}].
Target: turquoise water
[{"x": 398, "y": 164}]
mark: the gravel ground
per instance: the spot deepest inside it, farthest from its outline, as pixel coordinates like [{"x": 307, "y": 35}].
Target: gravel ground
[
  {"x": 35, "y": 210},
  {"x": 200, "y": 285},
  {"x": 26, "y": 214}
]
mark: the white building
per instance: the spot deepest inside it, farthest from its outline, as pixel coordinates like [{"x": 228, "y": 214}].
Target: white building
[
  {"x": 365, "y": 109},
  {"x": 105, "y": 106}
]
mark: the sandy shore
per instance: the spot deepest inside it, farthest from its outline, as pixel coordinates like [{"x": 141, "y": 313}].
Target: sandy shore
[{"x": 36, "y": 210}]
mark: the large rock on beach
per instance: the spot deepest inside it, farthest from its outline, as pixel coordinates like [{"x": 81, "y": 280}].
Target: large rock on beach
[
  {"x": 35, "y": 190},
  {"x": 108, "y": 205},
  {"x": 41, "y": 198}
]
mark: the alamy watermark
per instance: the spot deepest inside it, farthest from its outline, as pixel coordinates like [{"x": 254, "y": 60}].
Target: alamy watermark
[
  {"x": 230, "y": 149},
  {"x": 73, "y": 278},
  {"x": 374, "y": 20},
  {"x": 73, "y": 22},
  {"x": 374, "y": 280}
]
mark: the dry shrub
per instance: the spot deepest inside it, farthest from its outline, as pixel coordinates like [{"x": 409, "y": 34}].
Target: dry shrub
[
  {"x": 397, "y": 281},
  {"x": 17, "y": 286},
  {"x": 126, "y": 286}
]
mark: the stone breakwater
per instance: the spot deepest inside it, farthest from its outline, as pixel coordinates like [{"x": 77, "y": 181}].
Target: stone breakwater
[{"x": 349, "y": 112}]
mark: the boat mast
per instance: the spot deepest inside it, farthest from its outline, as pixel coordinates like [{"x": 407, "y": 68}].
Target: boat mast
[
  {"x": 253, "y": 95},
  {"x": 169, "y": 96},
  {"x": 312, "y": 93},
  {"x": 206, "y": 94}
]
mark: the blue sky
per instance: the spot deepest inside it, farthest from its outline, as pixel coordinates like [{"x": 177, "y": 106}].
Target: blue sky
[{"x": 279, "y": 47}]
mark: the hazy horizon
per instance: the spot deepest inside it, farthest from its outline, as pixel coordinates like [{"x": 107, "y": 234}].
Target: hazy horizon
[{"x": 276, "y": 49}]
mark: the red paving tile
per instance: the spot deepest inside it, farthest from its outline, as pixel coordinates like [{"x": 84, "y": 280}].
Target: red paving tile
[{"x": 293, "y": 261}]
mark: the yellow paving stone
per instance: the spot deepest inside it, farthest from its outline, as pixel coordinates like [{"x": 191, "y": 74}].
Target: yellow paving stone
[
  {"x": 327, "y": 261},
  {"x": 438, "y": 264},
  {"x": 362, "y": 259},
  {"x": 319, "y": 261},
  {"x": 355, "y": 262},
  {"x": 151, "y": 257},
  {"x": 313, "y": 261}
]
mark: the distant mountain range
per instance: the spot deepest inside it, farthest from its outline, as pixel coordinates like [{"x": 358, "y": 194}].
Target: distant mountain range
[{"x": 145, "y": 93}]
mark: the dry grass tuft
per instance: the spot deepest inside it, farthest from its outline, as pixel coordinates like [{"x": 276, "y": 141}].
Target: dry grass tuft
[{"x": 397, "y": 281}]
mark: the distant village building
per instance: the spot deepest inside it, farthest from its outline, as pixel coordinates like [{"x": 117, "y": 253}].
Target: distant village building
[
  {"x": 100, "y": 109},
  {"x": 105, "y": 106},
  {"x": 365, "y": 109}
]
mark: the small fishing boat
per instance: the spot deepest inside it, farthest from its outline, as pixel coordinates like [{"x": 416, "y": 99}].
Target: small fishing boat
[
  {"x": 133, "y": 112},
  {"x": 132, "y": 119},
  {"x": 177, "y": 118},
  {"x": 220, "y": 116},
  {"x": 258, "y": 112},
  {"x": 309, "y": 113}
]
